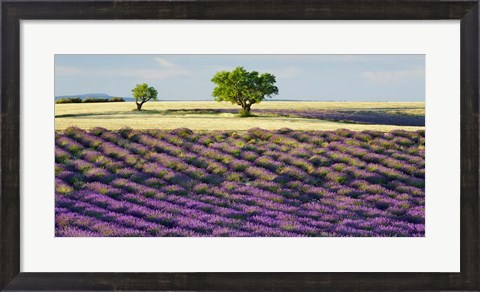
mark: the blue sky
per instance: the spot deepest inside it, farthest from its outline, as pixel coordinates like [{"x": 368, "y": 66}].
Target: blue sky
[{"x": 299, "y": 77}]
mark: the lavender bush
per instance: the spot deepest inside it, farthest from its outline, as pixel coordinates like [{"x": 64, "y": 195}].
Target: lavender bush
[{"x": 239, "y": 184}]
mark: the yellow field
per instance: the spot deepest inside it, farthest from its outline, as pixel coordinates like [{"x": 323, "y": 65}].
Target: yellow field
[{"x": 155, "y": 115}]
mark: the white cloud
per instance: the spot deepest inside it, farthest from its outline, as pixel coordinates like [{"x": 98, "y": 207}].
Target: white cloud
[
  {"x": 164, "y": 63},
  {"x": 169, "y": 70},
  {"x": 391, "y": 76}
]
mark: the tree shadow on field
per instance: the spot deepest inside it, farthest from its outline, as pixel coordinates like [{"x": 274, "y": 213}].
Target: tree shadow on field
[
  {"x": 167, "y": 112},
  {"x": 132, "y": 112}
]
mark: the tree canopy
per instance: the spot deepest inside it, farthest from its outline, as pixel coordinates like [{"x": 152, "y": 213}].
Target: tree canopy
[
  {"x": 243, "y": 88},
  {"x": 143, "y": 93}
]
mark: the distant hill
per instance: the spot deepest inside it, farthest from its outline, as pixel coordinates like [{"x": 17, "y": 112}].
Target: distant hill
[{"x": 92, "y": 95}]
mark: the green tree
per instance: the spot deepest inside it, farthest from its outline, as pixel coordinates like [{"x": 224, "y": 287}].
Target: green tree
[
  {"x": 143, "y": 93},
  {"x": 243, "y": 88}
]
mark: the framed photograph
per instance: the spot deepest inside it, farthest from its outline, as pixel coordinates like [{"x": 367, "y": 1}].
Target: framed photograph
[{"x": 177, "y": 145}]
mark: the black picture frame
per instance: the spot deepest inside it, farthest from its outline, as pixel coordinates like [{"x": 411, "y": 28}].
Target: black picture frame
[{"x": 12, "y": 12}]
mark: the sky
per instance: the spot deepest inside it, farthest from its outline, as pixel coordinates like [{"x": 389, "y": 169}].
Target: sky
[{"x": 299, "y": 77}]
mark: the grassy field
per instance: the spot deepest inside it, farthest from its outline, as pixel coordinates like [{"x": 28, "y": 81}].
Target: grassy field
[{"x": 170, "y": 115}]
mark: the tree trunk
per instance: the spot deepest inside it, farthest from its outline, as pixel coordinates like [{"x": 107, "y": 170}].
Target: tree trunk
[
  {"x": 246, "y": 107},
  {"x": 139, "y": 106}
]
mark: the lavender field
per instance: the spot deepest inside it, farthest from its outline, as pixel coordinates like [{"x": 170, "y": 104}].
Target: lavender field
[{"x": 258, "y": 183}]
